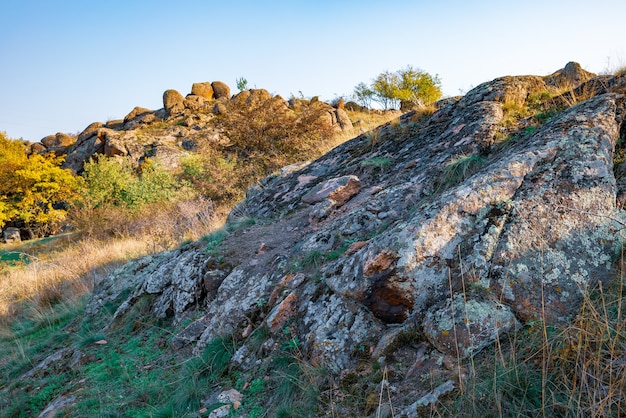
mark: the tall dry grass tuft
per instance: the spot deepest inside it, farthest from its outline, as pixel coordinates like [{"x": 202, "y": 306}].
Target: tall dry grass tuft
[{"x": 576, "y": 370}]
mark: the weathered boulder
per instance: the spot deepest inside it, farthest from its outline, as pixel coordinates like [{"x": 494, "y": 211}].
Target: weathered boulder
[
  {"x": 59, "y": 140},
  {"x": 193, "y": 102},
  {"x": 173, "y": 102},
  {"x": 137, "y": 111},
  {"x": 343, "y": 119},
  {"x": 89, "y": 131},
  {"x": 37, "y": 148},
  {"x": 58, "y": 143},
  {"x": 220, "y": 90},
  {"x": 354, "y": 106},
  {"x": 204, "y": 90},
  {"x": 11, "y": 234},
  {"x": 570, "y": 76}
]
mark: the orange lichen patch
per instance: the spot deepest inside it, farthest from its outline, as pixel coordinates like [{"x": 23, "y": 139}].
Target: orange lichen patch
[
  {"x": 380, "y": 263},
  {"x": 283, "y": 312},
  {"x": 288, "y": 278},
  {"x": 355, "y": 246}
]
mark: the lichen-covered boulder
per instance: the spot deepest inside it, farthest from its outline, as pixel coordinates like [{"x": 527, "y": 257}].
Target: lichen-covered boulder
[
  {"x": 11, "y": 234},
  {"x": 462, "y": 328}
]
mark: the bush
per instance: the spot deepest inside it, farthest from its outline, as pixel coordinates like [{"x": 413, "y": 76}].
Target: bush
[
  {"x": 34, "y": 189},
  {"x": 114, "y": 182}
]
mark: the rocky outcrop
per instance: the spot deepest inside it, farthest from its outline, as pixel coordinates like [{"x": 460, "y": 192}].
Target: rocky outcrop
[
  {"x": 437, "y": 226},
  {"x": 571, "y": 75}
]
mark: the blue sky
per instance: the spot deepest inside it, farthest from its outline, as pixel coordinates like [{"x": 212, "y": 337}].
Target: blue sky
[{"x": 65, "y": 64}]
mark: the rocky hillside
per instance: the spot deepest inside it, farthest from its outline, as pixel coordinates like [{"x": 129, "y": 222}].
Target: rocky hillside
[
  {"x": 183, "y": 124},
  {"x": 400, "y": 253}
]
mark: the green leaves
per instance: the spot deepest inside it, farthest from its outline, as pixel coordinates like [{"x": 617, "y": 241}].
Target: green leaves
[
  {"x": 114, "y": 182},
  {"x": 390, "y": 89}
]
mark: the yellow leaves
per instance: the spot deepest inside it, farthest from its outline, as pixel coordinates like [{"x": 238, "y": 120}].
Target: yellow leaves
[{"x": 33, "y": 188}]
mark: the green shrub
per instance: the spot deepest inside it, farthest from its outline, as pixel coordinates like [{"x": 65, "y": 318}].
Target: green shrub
[{"x": 115, "y": 182}]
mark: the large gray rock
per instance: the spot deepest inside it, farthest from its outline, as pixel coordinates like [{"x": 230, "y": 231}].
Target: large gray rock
[{"x": 11, "y": 234}]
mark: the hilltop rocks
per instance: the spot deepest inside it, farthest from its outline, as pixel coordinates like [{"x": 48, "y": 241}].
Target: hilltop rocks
[
  {"x": 204, "y": 90},
  {"x": 220, "y": 90},
  {"x": 173, "y": 101},
  {"x": 181, "y": 125},
  {"x": 570, "y": 76}
]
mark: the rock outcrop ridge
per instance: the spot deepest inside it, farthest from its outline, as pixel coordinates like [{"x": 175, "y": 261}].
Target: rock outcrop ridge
[
  {"x": 168, "y": 133},
  {"x": 459, "y": 226}
]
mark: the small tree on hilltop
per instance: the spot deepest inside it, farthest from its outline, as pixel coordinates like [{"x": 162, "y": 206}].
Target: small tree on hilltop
[
  {"x": 406, "y": 85},
  {"x": 363, "y": 95},
  {"x": 242, "y": 84}
]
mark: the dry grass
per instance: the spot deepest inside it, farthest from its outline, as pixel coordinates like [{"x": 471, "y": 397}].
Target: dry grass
[
  {"x": 66, "y": 271},
  {"x": 576, "y": 370}
]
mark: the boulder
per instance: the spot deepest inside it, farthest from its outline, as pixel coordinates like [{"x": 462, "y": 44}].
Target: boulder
[
  {"x": 59, "y": 140},
  {"x": 139, "y": 111},
  {"x": 116, "y": 124},
  {"x": 193, "y": 102},
  {"x": 219, "y": 109},
  {"x": 239, "y": 99},
  {"x": 89, "y": 131},
  {"x": 204, "y": 90},
  {"x": 220, "y": 90},
  {"x": 11, "y": 235},
  {"x": 570, "y": 76},
  {"x": 343, "y": 119},
  {"x": 353, "y": 106},
  {"x": 80, "y": 152},
  {"x": 37, "y": 148},
  {"x": 173, "y": 102}
]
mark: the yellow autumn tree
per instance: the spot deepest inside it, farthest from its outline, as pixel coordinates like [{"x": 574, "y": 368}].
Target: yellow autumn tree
[{"x": 34, "y": 189}]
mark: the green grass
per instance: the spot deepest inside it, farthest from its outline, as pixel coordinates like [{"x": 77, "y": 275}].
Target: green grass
[{"x": 458, "y": 170}]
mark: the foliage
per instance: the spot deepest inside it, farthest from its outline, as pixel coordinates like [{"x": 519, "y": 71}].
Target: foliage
[
  {"x": 262, "y": 139},
  {"x": 34, "y": 189},
  {"x": 242, "y": 84},
  {"x": 409, "y": 85},
  {"x": 363, "y": 95},
  {"x": 114, "y": 182}
]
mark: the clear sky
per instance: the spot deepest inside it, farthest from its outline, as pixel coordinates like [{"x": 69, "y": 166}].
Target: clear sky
[{"x": 65, "y": 64}]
